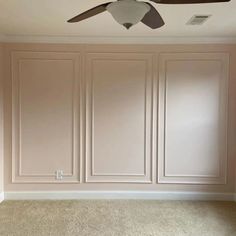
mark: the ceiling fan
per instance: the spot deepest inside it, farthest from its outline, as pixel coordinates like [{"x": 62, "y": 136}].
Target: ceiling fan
[{"x": 130, "y": 12}]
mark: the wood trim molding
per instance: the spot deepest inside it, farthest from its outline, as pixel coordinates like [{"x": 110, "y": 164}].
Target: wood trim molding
[
  {"x": 115, "y": 40},
  {"x": 2, "y": 197},
  {"x": 163, "y": 177},
  {"x": 91, "y": 176},
  {"x": 18, "y": 175},
  {"x": 145, "y": 195}
]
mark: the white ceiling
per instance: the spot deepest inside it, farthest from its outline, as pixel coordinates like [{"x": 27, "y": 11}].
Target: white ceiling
[{"x": 47, "y": 18}]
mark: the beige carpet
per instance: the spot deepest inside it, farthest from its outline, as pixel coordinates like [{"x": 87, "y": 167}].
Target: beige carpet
[{"x": 121, "y": 218}]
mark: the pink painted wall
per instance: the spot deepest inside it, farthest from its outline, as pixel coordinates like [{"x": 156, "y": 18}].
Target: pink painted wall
[{"x": 93, "y": 110}]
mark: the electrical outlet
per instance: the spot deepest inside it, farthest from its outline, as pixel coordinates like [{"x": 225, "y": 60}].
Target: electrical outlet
[{"x": 59, "y": 174}]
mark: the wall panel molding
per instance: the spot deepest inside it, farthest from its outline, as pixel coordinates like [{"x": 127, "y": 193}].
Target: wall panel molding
[
  {"x": 1, "y": 121},
  {"x": 111, "y": 176},
  {"x": 67, "y": 88},
  {"x": 153, "y": 174},
  {"x": 217, "y": 156}
]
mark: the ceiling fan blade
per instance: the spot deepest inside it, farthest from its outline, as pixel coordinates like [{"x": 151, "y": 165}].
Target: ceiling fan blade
[
  {"x": 87, "y": 14},
  {"x": 153, "y": 19},
  {"x": 187, "y": 1}
]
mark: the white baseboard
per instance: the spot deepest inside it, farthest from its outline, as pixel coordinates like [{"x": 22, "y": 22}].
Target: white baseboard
[
  {"x": 70, "y": 195},
  {"x": 1, "y": 197}
]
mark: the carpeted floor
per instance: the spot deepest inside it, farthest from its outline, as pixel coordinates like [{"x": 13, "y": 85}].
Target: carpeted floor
[{"x": 117, "y": 218}]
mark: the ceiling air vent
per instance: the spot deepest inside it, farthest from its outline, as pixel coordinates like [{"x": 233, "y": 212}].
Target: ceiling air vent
[{"x": 198, "y": 19}]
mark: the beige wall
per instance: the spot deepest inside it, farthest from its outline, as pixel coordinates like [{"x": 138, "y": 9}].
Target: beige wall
[
  {"x": 97, "y": 113},
  {"x": 1, "y": 118}
]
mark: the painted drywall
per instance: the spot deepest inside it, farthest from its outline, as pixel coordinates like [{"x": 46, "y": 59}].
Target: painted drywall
[
  {"x": 1, "y": 121},
  {"x": 83, "y": 92}
]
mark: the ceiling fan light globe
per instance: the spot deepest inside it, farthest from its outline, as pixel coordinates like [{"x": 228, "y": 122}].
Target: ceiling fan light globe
[{"x": 128, "y": 12}]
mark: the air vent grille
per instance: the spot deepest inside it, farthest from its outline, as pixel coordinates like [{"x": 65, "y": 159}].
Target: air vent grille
[{"x": 198, "y": 19}]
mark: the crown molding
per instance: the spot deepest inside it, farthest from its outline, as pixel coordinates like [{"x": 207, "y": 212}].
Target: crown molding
[{"x": 115, "y": 40}]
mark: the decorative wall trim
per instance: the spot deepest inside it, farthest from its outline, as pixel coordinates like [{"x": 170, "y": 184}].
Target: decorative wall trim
[
  {"x": 18, "y": 176},
  {"x": 115, "y": 40},
  {"x": 1, "y": 197},
  {"x": 2, "y": 168},
  {"x": 146, "y": 195},
  {"x": 91, "y": 175},
  {"x": 163, "y": 177}
]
